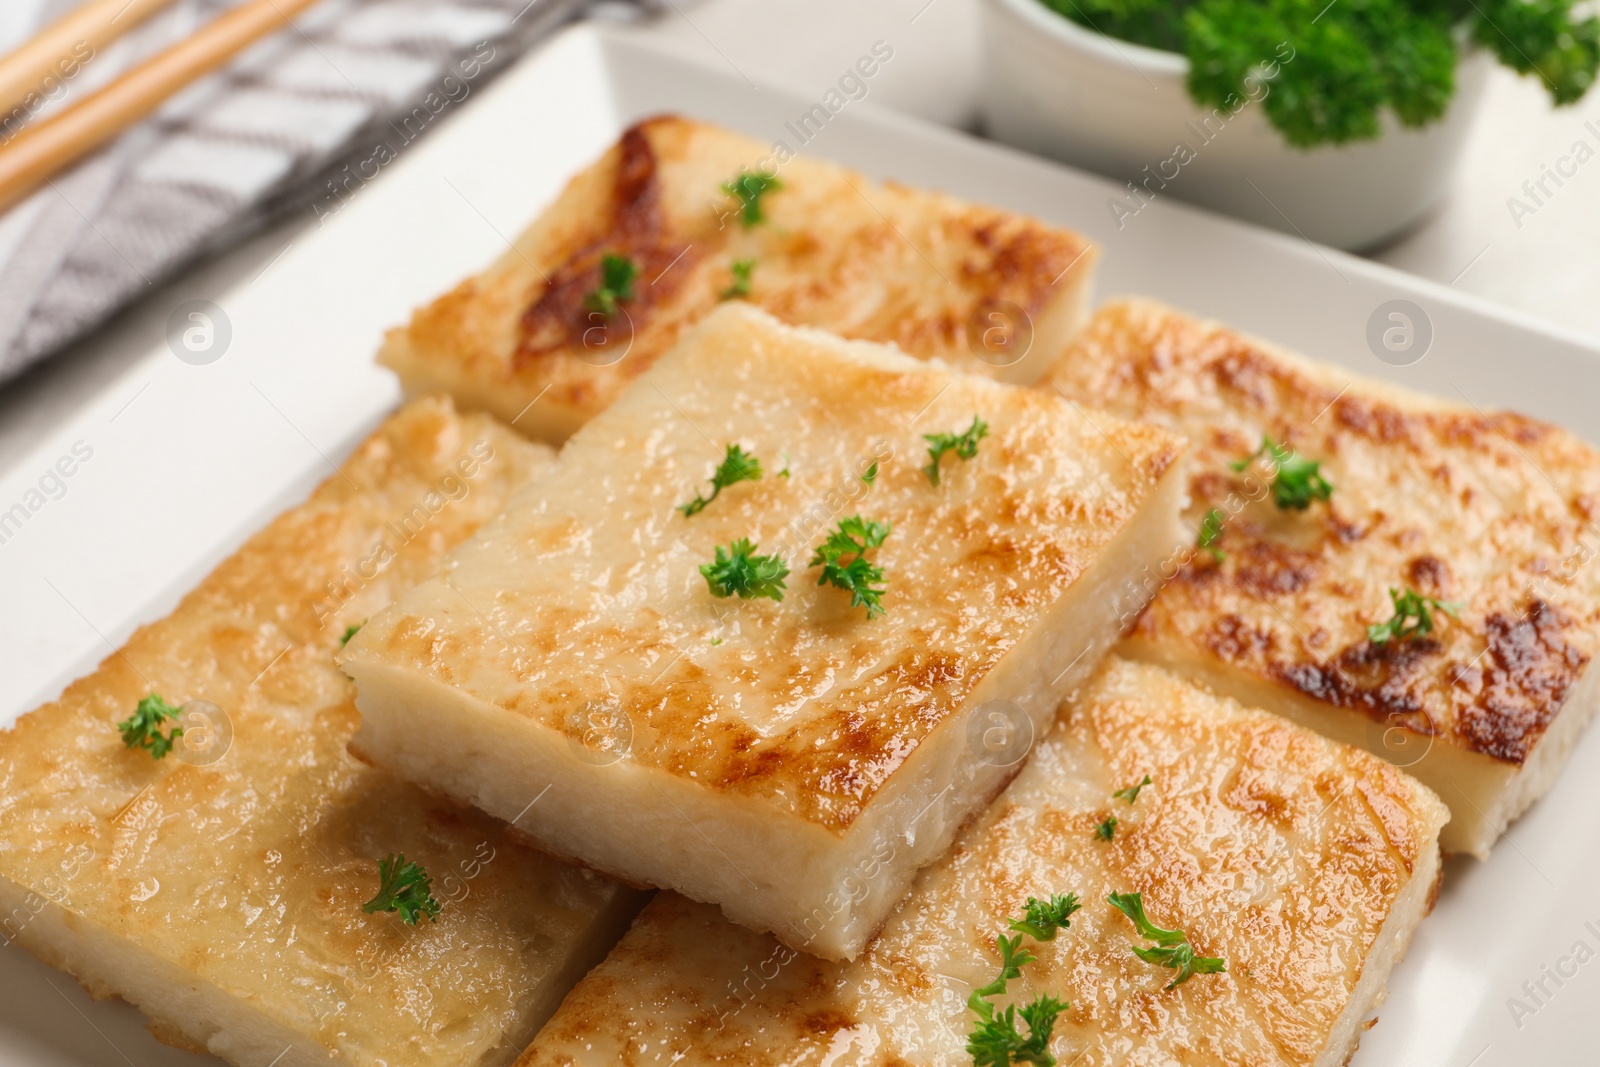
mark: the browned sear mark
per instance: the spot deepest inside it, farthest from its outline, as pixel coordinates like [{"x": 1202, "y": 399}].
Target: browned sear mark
[
  {"x": 1527, "y": 674},
  {"x": 560, "y": 317},
  {"x": 1511, "y": 692}
]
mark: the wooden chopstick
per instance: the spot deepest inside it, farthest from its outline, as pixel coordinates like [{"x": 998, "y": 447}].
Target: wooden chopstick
[
  {"x": 41, "y": 151},
  {"x": 66, "y": 44}
]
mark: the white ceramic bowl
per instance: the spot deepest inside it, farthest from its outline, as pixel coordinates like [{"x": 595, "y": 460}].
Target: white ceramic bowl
[{"x": 1057, "y": 89}]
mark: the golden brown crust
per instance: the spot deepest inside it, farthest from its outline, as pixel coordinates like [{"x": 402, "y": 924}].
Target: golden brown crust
[
  {"x": 1279, "y": 851},
  {"x": 1494, "y": 510},
  {"x": 249, "y": 874},
  {"x": 805, "y": 707},
  {"x": 938, "y": 277}
]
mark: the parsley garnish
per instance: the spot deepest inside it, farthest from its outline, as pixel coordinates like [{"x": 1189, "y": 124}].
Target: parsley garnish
[
  {"x": 964, "y": 444},
  {"x": 1211, "y": 533},
  {"x": 1107, "y": 828},
  {"x": 750, "y": 187},
  {"x": 350, "y": 632},
  {"x": 1350, "y": 63},
  {"x": 1131, "y": 793},
  {"x": 1413, "y": 616},
  {"x": 1042, "y": 918},
  {"x": 843, "y": 560},
  {"x": 872, "y": 473},
  {"x": 405, "y": 888},
  {"x": 142, "y": 729},
  {"x": 1171, "y": 948},
  {"x": 1298, "y": 480},
  {"x": 738, "y": 571},
  {"x": 995, "y": 1041},
  {"x": 741, "y": 269},
  {"x": 737, "y": 466},
  {"x": 617, "y": 274}
]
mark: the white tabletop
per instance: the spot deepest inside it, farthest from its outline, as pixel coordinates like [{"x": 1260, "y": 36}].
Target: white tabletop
[{"x": 1545, "y": 266}]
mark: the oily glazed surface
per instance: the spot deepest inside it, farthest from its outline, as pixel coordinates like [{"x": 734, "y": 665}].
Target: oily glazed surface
[
  {"x": 584, "y": 603},
  {"x": 250, "y": 872},
  {"x": 1489, "y": 509},
  {"x": 870, "y": 261},
  {"x": 1274, "y": 849}
]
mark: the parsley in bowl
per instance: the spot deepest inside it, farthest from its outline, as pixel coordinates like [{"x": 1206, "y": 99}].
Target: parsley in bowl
[{"x": 1338, "y": 121}]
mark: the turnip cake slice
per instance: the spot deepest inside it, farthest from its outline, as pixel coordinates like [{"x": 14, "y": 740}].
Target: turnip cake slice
[
  {"x": 1434, "y": 599},
  {"x": 1300, "y": 865},
  {"x": 221, "y": 887},
  {"x": 679, "y": 216},
  {"x": 793, "y": 760}
]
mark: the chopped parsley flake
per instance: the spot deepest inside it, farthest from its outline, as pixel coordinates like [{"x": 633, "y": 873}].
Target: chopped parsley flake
[
  {"x": 964, "y": 444},
  {"x": 1106, "y": 829},
  {"x": 617, "y": 275},
  {"x": 1211, "y": 533},
  {"x": 736, "y": 466},
  {"x": 996, "y": 1040},
  {"x": 1413, "y": 616},
  {"x": 740, "y": 288},
  {"x": 405, "y": 888},
  {"x": 1171, "y": 948},
  {"x": 142, "y": 729},
  {"x": 1131, "y": 793},
  {"x": 1297, "y": 482},
  {"x": 736, "y": 570},
  {"x": 750, "y": 187},
  {"x": 1042, "y": 918},
  {"x": 843, "y": 559}
]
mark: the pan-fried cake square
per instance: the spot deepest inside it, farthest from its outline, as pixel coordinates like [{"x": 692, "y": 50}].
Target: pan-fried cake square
[
  {"x": 1491, "y": 513},
  {"x": 985, "y": 290},
  {"x": 794, "y": 761},
  {"x": 220, "y": 888},
  {"x": 1301, "y": 863}
]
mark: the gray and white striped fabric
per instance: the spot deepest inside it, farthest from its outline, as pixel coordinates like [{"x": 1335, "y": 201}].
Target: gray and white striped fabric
[{"x": 269, "y": 131}]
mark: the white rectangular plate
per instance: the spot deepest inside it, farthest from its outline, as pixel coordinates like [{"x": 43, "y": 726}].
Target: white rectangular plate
[{"x": 187, "y": 460}]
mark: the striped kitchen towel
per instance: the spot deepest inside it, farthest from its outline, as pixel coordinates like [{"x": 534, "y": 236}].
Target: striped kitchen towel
[{"x": 351, "y": 78}]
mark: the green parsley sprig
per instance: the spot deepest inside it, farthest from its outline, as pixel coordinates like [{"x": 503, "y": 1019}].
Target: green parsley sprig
[
  {"x": 1042, "y": 918},
  {"x": 1211, "y": 533},
  {"x": 405, "y": 888},
  {"x": 844, "y": 563},
  {"x": 1106, "y": 830},
  {"x": 964, "y": 444},
  {"x": 737, "y": 466},
  {"x": 737, "y": 571},
  {"x": 1297, "y": 481},
  {"x": 1325, "y": 73},
  {"x": 995, "y": 1040},
  {"x": 871, "y": 474},
  {"x": 1413, "y": 616},
  {"x": 1013, "y": 957},
  {"x": 740, "y": 288},
  {"x": 617, "y": 275},
  {"x": 1171, "y": 948},
  {"x": 1131, "y": 793},
  {"x": 142, "y": 729},
  {"x": 750, "y": 186},
  {"x": 349, "y": 632}
]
